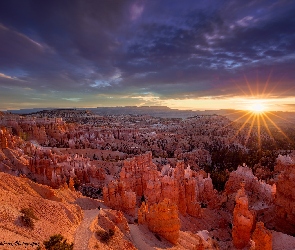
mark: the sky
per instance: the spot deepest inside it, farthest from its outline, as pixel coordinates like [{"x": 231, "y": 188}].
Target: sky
[{"x": 205, "y": 54}]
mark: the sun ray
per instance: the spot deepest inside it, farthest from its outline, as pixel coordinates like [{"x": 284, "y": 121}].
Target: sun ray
[
  {"x": 288, "y": 90},
  {"x": 258, "y": 130},
  {"x": 266, "y": 83},
  {"x": 250, "y": 130},
  {"x": 248, "y": 85},
  {"x": 280, "y": 117},
  {"x": 273, "y": 88},
  {"x": 243, "y": 125},
  {"x": 237, "y": 119},
  {"x": 266, "y": 126},
  {"x": 239, "y": 87},
  {"x": 278, "y": 128},
  {"x": 257, "y": 84}
]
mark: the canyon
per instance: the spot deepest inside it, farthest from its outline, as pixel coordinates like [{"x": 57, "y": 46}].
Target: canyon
[{"x": 143, "y": 181}]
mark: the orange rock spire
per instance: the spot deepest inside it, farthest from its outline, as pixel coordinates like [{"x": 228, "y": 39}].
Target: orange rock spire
[{"x": 242, "y": 220}]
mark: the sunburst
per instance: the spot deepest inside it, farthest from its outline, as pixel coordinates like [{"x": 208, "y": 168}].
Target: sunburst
[
  {"x": 257, "y": 113},
  {"x": 257, "y": 108}
]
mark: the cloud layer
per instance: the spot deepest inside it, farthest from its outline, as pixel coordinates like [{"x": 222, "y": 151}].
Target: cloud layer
[{"x": 92, "y": 53}]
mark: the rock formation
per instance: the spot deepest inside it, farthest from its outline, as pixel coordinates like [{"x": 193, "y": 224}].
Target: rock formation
[
  {"x": 140, "y": 175},
  {"x": 207, "y": 194},
  {"x": 161, "y": 218},
  {"x": 262, "y": 237},
  {"x": 184, "y": 187},
  {"x": 285, "y": 201},
  {"x": 242, "y": 220},
  {"x": 115, "y": 221},
  {"x": 116, "y": 196},
  {"x": 253, "y": 186},
  {"x": 137, "y": 171},
  {"x": 3, "y": 139}
]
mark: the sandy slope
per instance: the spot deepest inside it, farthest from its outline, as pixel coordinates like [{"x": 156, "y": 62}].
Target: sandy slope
[
  {"x": 53, "y": 212},
  {"x": 282, "y": 241}
]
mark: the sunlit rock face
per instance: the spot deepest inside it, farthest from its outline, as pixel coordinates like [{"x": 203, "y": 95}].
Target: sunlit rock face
[
  {"x": 118, "y": 197},
  {"x": 285, "y": 201},
  {"x": 193, "y": 207},
  {"x": 141, "y": 176},
  {"x": 161, "y": 218},
  {"x": 242, "y": 220},
  {"x": 137, "y": 171},
  {"x": 262, "y": 237},
  {"x": 3, "y": 139}
]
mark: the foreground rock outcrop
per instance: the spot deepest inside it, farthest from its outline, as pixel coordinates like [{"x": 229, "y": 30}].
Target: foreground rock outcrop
[
  {"x": 54, "y": 214},
  {"x": 161, "y": 218},
  {"x": 112, "y": 221}
]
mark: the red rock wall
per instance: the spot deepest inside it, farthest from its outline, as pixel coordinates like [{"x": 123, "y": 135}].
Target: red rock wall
[
  {"x": 161, "y": 218},
  {"x": 116, "y": 196},
  {"x": 140, "y": 175}
]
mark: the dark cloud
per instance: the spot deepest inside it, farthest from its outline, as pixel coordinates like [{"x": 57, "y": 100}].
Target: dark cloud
[{"x": 72, "y": 49}]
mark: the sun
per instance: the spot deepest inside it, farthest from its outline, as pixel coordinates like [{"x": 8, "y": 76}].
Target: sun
[{"x": 257, "y": 108}]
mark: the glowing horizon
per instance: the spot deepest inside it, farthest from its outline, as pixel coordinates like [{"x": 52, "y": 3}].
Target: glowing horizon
[{"x": 201, "y": 104}]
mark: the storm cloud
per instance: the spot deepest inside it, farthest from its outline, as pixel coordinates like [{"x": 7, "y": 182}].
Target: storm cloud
[{"x": 91, "y": 53}]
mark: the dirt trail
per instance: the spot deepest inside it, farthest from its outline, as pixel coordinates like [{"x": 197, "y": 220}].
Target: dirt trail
[
  {"x": 83, "y": 232},
  {"x": 137, "y": 238}
]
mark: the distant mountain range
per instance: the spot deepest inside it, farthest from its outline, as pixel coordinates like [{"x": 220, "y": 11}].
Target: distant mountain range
[
  {"x": 278, "y": 117},
  {"x": 159, "y": 111}
]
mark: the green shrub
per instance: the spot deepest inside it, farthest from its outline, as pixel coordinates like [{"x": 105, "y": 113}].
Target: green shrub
[
  {"x": 105, "y": 236},
  {"x": 158, "y": 237},
  {"x": 111, "y": 232},
  {"x": 57, "y": 242},
  {"x": 29, "y": 212},
  {"x": 27, "y": 217}
]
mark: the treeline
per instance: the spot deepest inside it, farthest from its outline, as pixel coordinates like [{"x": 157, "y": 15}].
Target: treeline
[{"x": 256, "y": 152}]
